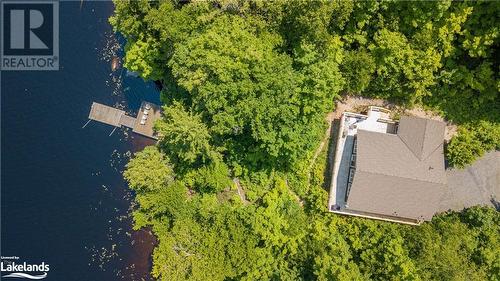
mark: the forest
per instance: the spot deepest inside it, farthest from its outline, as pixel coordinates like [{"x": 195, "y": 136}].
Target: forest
[{"x": 234, "y": 190}]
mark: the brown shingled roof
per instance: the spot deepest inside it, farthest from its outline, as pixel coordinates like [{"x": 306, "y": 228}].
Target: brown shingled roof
[
  {"x": 400, "y": 175},
  {"x": 394, "y": 196},
  {"x": 422, "y": 136}
]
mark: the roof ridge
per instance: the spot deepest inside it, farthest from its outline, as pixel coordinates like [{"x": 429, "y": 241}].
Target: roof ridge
[
  {"x": 434, "y": 177},
  {"x": 415, "y": 179},
  {"x": 411, "y": 151},
  {"x": 432, "y": 152},
  {"x": 397, "y": 136},
  {"x": 423, "y": 139}
]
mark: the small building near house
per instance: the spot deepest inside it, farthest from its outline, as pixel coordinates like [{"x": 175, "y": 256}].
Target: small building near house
[{"x": 388, "y": 170}]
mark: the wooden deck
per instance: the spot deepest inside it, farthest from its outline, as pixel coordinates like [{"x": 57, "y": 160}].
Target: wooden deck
[
  {"x": 154, "y": 113},
  {"x": 117, "y": 118},
  {"x": 106, "y": 114},
  {"x": 127, "y": 121}
]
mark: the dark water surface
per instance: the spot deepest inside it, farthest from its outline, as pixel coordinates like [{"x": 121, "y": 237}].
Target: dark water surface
[{"x": 63, "y": 199}]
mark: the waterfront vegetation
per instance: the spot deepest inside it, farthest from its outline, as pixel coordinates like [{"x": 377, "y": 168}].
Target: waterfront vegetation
[{"x": 246, "y": 87}]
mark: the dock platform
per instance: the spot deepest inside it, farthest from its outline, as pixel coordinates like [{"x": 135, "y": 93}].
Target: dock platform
[
  {"x": 106, "y": 114},
  {"x": 142, "y": 124},
  {"x": 147, "y": 129}
]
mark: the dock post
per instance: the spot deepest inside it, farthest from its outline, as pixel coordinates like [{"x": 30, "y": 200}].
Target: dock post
[
  {"x": 112, "y": 131},
  {"x": 86, "y": 123}
]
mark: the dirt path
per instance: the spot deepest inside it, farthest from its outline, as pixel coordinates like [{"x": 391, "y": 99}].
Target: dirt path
[
  {"x": 297, "y": 198},
  {"x": 329, "y": 118},
  {"x": 241, "y": 192}
]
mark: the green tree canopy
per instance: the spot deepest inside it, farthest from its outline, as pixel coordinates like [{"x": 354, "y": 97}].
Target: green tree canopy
[
  {"x": 184, "y": 137},
  {"x": 246, "y": 86}
]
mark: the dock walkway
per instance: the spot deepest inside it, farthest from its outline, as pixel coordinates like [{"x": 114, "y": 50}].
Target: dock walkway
[{"x": 127, "y": 121}]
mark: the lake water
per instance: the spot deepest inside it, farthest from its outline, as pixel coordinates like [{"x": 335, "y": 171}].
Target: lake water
[{"x": 63, "y": 199}]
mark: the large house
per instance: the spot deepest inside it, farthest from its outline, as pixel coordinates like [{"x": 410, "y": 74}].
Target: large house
[{"x": 388, "y": 170}]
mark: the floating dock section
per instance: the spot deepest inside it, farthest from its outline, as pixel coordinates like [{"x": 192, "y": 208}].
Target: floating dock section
[{"x": 142, "y": 124}]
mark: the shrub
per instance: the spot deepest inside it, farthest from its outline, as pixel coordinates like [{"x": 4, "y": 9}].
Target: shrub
[{"x": 472, "y": 141}]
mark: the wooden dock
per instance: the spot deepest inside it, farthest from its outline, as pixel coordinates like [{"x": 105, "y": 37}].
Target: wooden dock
[
  {"x": 147, "y": 129},
  {"x": 142, "y": 124},
  {"x": 106, "y": 114},
  {"x": 127, "y": 121}
]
